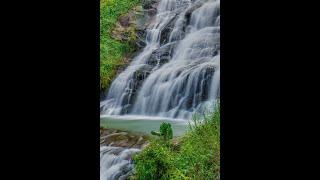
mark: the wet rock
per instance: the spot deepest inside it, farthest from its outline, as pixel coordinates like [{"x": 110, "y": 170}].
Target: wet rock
[
  {"x": 122, "y": 139},
  {"x": 113, "y": 137},
  {"x": 165, "y": 32},
  {"x": 161, "y": 55},
  {"x": 139, "y": 143},
  {"x": 126, "y": 170},
  {"x": 152, "y": 12},
  {"x": 122, "y": 143},
  {"x": 193, "y": 8},
  {"x": 131, "y": 92},
  {"x": 148, "y": 4},
  {"x": 141, "y": 36}
]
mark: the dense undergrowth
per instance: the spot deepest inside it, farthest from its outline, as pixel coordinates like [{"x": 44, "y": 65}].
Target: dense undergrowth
[
  {"x": 112, "y": 51},
  {"x": 196, "y": 155}
]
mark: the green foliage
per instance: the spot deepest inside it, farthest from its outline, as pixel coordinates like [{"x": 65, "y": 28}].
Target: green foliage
[
  {"x": 196, "y": 155},
  {"x": 111, "y": 50},
  {"x": 155, "y": 133},
  {"x": 165, "y": 131},
  {"x": 154, "y": 162}
]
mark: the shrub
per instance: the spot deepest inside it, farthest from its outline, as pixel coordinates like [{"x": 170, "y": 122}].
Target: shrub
[{"x": 165, "y": 131}]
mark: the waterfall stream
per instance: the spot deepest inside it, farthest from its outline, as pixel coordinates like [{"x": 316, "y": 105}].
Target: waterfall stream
[
  {"x": 178, "y": 71},
  {"x": 115, "y": 162},
  {"x": 175, "y": 75}
]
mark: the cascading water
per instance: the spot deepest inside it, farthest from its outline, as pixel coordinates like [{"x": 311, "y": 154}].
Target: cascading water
[
  {"x": 115, "y": 162},
  {"x": 178, "y": 71}
]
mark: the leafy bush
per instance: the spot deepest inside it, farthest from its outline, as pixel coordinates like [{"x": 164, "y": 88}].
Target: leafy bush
[
  {"x": 154, "y": 162},
  {"x": 165, "y": 131}
]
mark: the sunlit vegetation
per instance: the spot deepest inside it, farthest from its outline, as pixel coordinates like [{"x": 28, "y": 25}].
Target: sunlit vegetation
[
  {"x": 195, "y": 155},
  {"x": 111, "y": 51}
]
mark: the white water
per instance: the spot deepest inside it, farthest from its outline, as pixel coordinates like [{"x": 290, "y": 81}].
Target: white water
[
  {"x": 142, "y": 118},
  {"x": 189, "y": 82},
  {"x": 115, "y": 162}
]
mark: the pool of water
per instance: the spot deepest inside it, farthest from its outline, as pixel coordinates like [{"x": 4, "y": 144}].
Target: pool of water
[{"x": 143, "y": 124}]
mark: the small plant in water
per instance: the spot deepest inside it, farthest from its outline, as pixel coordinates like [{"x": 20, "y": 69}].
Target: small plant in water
[{"x": 165, "y": 131}]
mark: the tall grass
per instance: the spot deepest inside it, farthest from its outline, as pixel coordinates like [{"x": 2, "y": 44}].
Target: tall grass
[
  {"x": 111, "y": 51},
  {"x": 196, "y": 155}
]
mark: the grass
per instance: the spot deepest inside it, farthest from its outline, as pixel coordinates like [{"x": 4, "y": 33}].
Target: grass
[
  {"x": 196, "y": 155},
  {"x": 112, "y": 51}
]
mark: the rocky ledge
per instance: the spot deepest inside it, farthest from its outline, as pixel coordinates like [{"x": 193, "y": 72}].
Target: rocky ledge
[{"x": 125, "y": 139}]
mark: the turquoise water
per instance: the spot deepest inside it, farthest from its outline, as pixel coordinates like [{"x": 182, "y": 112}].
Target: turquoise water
[{"x": 143, "y": 124}]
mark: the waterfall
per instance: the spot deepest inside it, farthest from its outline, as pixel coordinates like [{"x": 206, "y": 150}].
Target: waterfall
[
  {"x": 178, "y": 71},
  {"x": 115, "y": 162}
]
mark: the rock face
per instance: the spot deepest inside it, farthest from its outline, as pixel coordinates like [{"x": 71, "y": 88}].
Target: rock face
[
  {"x": 162, "y": 55},
  {"x": 131, "y": 26}
]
